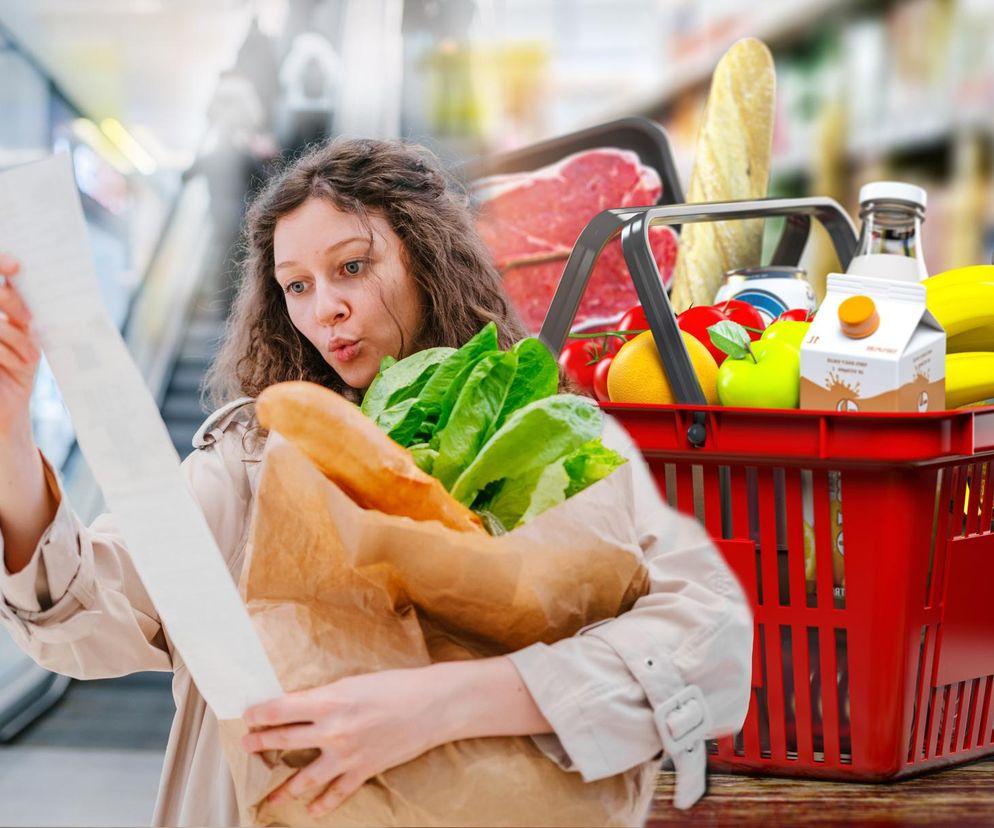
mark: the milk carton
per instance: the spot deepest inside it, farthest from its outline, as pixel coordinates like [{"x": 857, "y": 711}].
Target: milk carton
[{"x": 873, "y": 346}]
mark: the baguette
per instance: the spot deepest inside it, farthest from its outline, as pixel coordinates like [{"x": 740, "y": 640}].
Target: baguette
[
  {"x": 732, "y": 162},
  {"x": 353, "y": 453}
]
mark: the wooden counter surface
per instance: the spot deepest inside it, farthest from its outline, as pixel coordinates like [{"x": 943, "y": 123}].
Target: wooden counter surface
[{"x": 961, "y": 795}]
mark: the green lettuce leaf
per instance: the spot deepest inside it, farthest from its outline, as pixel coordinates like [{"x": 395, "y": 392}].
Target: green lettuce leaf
[
  {"x": 424, "y": 457},
  {"x": 537, "y": 377},
  {"x": 533, "y": 436},
  {"x": 591, "y": 462},
  {"x": 479, "y": 402},
  {"x": 401, "y": 380},
  {"x": 389, "y": 419},
  {"x": 434, "y": 404},
  {"x": 522, "y": 498}
]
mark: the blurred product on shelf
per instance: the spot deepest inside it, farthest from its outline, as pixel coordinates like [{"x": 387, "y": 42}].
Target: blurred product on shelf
[{"x": 732, "y": 162}]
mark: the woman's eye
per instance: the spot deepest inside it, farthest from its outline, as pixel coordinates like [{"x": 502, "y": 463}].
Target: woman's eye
[
  {"x": 295, "y": 287},
  {"x": 354, "y": 267}
]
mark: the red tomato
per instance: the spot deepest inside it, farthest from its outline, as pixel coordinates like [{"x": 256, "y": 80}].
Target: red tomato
[
  {"x": 574, "y": 359},
  {"x": 796, "y": 314},
  {"x": 696, "y": 321},
  {"x": 600, "y": 378},
  {"x": 745, "y": 314},
  {"x": 634, "y": 320}
]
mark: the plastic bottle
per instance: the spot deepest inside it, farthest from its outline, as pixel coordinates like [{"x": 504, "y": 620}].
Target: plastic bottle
[{"x": 890, "y": 241}]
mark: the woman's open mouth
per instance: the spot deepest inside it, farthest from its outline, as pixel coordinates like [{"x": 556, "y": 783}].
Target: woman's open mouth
[{"x": 345, "y": 351}]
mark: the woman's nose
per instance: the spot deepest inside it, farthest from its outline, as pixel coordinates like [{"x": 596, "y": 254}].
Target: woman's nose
[{"x": 330, "y": 307}]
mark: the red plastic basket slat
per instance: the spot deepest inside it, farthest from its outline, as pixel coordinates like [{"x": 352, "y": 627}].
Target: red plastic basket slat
[{"x": 985, "y": 717}]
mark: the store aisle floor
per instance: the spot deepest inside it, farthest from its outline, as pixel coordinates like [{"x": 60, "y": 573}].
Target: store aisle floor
[
  {"x": 76, "y": 787},
  {"x": 94, "y": 759}
]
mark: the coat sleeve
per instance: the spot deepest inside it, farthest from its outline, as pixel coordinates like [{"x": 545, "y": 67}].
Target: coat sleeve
[
  {"x": 610, "y": 691},
  {"x": 79, "y": 608}
]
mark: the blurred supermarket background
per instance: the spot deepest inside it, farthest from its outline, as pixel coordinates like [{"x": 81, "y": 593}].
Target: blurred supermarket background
[{"x": 174, "y": 110}]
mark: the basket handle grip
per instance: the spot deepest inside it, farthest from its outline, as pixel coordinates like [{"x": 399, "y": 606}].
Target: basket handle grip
[{"x": 633, "y": 224}]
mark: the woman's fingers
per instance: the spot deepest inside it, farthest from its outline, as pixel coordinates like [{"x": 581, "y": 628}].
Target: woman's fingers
[
  {"x": 291, "y": 708},
  {"x": 8, "y": 265},
  {"x": 293, "y": 737},
  {"x": 318, "y": 774},
  {"x": 13, "y": 306},
  {"x": 18, "y": 342},
  {"x": 336, "y": 793}
]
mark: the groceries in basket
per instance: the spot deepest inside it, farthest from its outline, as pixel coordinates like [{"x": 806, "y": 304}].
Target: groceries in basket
[
  {"x": 874, "y": 346},
  {"x": 731, "y": 162},
  {"x": 890, "y": 245},
  {"x": 772, "y": 290},
  {"x": 962, "y": 300},
  {"x": 761, "y": 374}
]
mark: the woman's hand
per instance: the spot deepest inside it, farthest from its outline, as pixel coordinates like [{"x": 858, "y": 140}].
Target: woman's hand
[
  {"x": 363, "y": 725},
  {"x": 19, "y": 356},
  {"x": 367, "y": 724}
]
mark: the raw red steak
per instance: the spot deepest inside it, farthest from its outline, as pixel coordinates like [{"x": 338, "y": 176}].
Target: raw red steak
[{"x": 530, "y": 222}]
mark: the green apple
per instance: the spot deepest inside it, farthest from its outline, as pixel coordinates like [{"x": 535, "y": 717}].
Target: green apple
[
  {"x": 787, "y": 330},
  {"x": 769, "y": 376}
]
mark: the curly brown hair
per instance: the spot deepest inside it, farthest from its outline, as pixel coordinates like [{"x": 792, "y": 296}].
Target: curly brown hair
[{"x": 460, "y": 288}]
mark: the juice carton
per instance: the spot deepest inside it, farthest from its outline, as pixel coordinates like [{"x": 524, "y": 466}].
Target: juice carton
[{"x": 873, "y": 346}]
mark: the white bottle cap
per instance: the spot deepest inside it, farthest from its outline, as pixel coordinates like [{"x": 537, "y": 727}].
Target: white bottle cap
[{"x": 892, "y": 191}]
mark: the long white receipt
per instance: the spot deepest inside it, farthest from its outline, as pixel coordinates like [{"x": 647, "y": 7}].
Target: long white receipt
[{"x": 125, "y": 441}]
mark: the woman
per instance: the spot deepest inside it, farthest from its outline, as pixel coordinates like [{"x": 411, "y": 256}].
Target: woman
[{"x": 359, "y": 250}]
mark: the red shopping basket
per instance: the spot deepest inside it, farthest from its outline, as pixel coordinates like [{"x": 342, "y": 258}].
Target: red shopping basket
[{"x": 876, "y": 663}]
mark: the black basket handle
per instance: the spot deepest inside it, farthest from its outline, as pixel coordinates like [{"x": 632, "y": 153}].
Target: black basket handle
[{"x": 633, "y": 224}]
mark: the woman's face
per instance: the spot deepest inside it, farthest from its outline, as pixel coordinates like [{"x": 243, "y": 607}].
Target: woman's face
[{"x": 350, "y": 295}]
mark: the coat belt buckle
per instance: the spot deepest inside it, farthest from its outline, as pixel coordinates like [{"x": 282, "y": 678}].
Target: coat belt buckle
[{"x": 682, "y": 720}]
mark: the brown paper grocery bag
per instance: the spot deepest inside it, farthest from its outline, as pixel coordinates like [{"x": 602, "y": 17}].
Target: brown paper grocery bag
[{"x": 335, "y": 590}]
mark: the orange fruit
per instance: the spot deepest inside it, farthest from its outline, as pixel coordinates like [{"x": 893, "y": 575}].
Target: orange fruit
[{"x": 637, "y": 376}]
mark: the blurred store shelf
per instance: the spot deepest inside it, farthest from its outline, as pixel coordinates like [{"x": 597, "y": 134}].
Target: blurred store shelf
[{"x": 700, "y": 41}]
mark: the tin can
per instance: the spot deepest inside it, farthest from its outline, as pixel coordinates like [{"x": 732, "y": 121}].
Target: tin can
[{"x": 771, "y": 290}]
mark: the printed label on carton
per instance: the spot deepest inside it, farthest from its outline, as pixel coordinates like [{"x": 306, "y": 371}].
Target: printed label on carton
[{"x": 901, "y": 366}]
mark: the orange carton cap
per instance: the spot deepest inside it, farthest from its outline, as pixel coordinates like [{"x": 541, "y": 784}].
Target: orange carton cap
[{"x": 858, "y": 317}]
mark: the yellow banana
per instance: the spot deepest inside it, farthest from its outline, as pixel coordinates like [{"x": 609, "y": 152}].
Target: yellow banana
[
  {"x": 978, "y": 339},
  {"x": 969, "y": 378},
  {"x": 960, "y": 276},
  {"x": 960, "y": 308}
]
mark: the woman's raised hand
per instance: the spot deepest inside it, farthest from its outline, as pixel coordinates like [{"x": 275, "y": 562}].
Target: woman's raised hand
[{"x": 19, "y": 355}]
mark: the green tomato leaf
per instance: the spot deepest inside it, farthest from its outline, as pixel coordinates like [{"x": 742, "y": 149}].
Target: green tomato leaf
[{"x": 731, "y": 338}]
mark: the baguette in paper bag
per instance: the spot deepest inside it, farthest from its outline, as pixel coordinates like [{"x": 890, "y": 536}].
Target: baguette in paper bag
[{"x": 334, "y": 589}]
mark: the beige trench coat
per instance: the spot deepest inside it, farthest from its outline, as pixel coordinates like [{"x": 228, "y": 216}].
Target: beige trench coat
[{"x": 79, "y": 608}]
